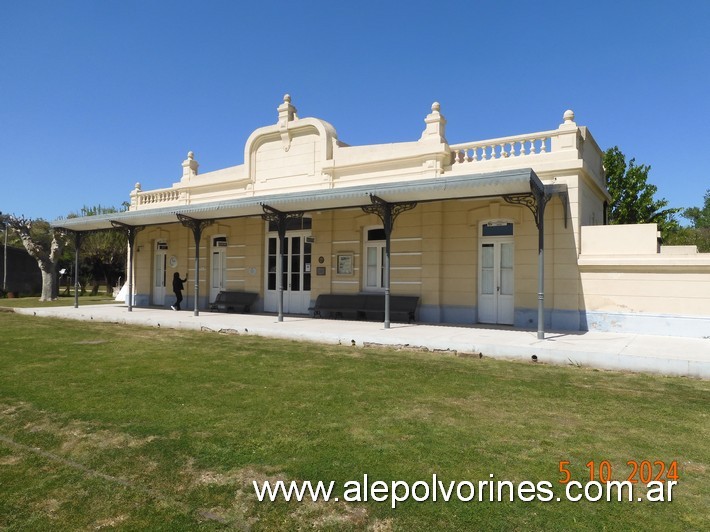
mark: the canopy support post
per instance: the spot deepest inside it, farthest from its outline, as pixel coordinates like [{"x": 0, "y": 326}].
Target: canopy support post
[
  {"x": 280, "y": 219},
  {"x": 387, "y": 213}
]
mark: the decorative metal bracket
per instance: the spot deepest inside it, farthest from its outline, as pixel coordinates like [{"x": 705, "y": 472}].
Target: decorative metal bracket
[
  {"x": 279, "y": 217},
  {"x": 526, "y": 200},
  {"x": 67, "y": 233},
  {"x": 196, "y": 225},
  {"x": 535, "y": 200},
  {"x": 130, "y": 230},
  {"x": 538, "y": 199},
  {"x": 387, "y": 212}
]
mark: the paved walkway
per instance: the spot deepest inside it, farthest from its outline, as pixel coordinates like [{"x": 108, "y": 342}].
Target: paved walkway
[{"x": 658, "y": 354}]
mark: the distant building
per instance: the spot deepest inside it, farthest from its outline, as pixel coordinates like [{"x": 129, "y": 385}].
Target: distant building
[{"x": 465, "y": 224}]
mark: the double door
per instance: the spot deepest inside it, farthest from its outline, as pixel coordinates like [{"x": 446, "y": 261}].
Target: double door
[{"x": 295, "y": 273}]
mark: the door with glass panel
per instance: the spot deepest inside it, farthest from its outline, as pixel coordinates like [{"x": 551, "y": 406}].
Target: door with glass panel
[
  {"x": 160, "y": 262},
  {"x": 374, "y": 274},
  {"x": 496, "y": 300},
  {"x": 218, "y": 266},
  {"x": 296, "y": 273}
]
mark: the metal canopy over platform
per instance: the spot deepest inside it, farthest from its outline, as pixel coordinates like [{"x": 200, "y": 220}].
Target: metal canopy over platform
[{"x": 492, "y": 184}]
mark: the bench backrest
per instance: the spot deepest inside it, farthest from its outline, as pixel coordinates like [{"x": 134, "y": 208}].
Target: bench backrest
[
  {"x": 376, "y": 302},
  {"x": 352, "y": 301},
  {"x": 236, "y": 297}
]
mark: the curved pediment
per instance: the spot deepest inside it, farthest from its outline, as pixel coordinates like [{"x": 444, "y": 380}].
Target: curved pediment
[{"x": 290, "y": 154}]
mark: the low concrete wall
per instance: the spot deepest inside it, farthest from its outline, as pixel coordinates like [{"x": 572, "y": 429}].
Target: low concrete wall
[
  {"x": 629, "y": 287},
  {"x": 614, "y": 240}
]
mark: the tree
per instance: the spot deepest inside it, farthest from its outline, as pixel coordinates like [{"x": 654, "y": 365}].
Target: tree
[
  {"x": 699, "y": 232},
  {"x": 632, "y": 197},
  {"x": 45, "y": 245},
  {"x": 700, "y": 217}
]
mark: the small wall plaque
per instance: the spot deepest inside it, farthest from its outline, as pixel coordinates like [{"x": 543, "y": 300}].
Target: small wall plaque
[{"x": 320, "y": 270}]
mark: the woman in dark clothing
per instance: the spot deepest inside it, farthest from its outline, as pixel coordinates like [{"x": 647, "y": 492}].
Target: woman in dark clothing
[{"x": 178, "y": 288}]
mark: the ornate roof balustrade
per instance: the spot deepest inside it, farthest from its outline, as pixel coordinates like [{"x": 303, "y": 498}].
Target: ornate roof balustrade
[
  {"x": 159, "y": 197},
  {"x": 502, "y": 148}
]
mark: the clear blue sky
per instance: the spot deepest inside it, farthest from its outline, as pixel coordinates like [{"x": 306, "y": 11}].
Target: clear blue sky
[{"x": 97, "y": 95}]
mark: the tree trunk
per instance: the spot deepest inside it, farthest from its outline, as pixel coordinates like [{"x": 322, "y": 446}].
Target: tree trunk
[
  {"x": 48, "y": 267},
  {"x": 48, "y": 285}
]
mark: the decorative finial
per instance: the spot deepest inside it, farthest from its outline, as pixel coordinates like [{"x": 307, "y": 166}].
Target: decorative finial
[
  {"x": 287, "y": 113},
  {"x": 189, "y": 166},
  {"x": 138, "y": 186},
  {"x": 569, "y": 116},
  {"x": 435, "y": 125}
]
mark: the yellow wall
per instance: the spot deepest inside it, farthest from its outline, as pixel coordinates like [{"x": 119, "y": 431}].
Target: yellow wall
[
  {"x": 435, "y": 250},
  {"x": 245, "y": 242}
]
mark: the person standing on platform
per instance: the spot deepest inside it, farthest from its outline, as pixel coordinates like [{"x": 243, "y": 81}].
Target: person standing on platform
[{"x": 178, "y": 287}]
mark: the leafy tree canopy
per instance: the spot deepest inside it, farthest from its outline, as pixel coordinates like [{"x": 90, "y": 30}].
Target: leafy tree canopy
[
  {"x": 699, "y": 233},
  {"x": 632, "y": 196},
  {"x": 700, "y": 216}
]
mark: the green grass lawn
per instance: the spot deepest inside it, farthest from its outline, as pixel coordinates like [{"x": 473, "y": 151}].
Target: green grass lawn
[
  {"x": 62, "y": 301},
  {"x": 109, "y": 426}
]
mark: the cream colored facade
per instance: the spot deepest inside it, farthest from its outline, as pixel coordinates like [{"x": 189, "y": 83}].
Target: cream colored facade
[{"x": 467, "y": 247}]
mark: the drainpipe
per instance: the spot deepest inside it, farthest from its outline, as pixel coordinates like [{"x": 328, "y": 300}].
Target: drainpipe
[{"x": 541, "y": 202}]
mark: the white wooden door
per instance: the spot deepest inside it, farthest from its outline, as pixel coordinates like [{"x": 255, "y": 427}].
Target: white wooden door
[
  {"x": 160, "y": 262},
  {"x": 217, "y": 272},
  {"x": 496, "y": 291}
]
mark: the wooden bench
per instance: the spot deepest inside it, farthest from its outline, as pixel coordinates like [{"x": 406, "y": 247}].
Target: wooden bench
[
  {"x": 402, "y": 308},
  {"x": 230, "y": 301},
  {"x": 366, "y": 306},
  {"x": 337, "y": 305}
]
